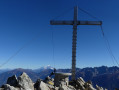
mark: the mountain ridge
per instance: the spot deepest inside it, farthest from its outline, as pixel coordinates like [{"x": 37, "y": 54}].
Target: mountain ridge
[{"x": 107, "y": 77}]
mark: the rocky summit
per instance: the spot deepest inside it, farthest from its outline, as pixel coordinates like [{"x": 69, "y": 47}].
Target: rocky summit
[{"x": 23, "y": 82}]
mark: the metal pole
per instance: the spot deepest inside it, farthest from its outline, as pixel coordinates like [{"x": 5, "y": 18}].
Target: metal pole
[{"x": 74, "y": 42}]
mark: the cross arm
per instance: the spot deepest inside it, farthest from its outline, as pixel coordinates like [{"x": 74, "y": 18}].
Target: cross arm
[
  {"x": 52, "y": 22},
  {"x": 89, "y": 22}
]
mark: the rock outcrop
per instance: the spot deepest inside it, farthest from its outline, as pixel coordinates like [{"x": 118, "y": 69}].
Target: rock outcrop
[
  {"x": 40, "y": 85},
  {"x": 24, "y": 82}
]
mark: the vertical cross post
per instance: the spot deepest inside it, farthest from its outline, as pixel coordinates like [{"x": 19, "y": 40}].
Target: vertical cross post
[
  {"x": 74, "y": 42},
  {"x": 75, "y": 23}
]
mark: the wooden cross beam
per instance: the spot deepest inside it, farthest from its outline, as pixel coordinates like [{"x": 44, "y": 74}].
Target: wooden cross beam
[
  {"x": 78, "y": 22},
  {"x": 75, "y": 23}
]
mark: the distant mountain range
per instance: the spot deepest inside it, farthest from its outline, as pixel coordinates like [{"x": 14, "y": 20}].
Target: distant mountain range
[
  {"x": 4, "y": 70},
  {"x": 107, "y": 77}
]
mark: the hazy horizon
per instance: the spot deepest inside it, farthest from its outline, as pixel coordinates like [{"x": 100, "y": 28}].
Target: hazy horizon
[{"x": 52, "y": 67}]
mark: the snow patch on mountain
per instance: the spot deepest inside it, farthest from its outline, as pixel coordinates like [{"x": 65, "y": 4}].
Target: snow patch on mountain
[{"x": 43, "y": 68}]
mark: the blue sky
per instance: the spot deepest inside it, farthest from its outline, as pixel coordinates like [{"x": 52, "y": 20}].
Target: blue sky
[{"x": 23, "y": 20}]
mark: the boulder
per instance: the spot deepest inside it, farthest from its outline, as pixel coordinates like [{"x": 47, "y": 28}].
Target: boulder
[
  {"x": 25, "y": 82},
  {"x": 43, "y": 86},
  {"x": 89, "y": 86},
  {"x": 80, "y": 83},
  {"x": 40, "y": 85},
  {"x": 8, "y": 87},
  {"x": 63, "y": 86}
]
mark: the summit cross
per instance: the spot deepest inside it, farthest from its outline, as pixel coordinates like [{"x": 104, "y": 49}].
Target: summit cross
[{"x": 75, "y": 23}]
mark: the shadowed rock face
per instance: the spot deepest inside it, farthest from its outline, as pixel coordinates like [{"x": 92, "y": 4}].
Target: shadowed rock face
[
  {"x": 23, "y": 82},
  {"x": 12, "y": 81}
]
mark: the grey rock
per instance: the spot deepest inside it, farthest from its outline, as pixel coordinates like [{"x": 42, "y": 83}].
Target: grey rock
[
  {"x": 80, "y": 83},
  {"x": 2, "y": 89},
  {"x": 71, "y": 87},
  {"x": 25, "y": 82},
  {"x": 40, "y": 85},
  {"x": 63, "y": 86},
  {"x": 8, "y": 87},
  {"x": 51, "y": 87},
  {"x": 43, "y": 86},
  {"x": 99, "y": 88}
]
